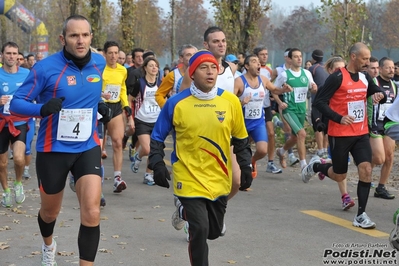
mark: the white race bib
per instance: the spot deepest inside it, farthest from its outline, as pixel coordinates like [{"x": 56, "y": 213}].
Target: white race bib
[
  {"x": 383, "y": 108},
  {"x": 6, "y": 109},
  {"x": 151, "y": 107},
  {"x": 75, "y": 124},
  {"x": 253, "y": 110},
  {"x": 356, "y": 109},
  {"x": 300, "y": 94},
  {"x": 113, "y": 90}
]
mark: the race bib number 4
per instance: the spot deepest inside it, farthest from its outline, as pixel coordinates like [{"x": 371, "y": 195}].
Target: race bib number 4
[
  {"x": 356, "y": 109},
  {"x": 75, "y": 124},
  {"x": 383, "y": 108}
]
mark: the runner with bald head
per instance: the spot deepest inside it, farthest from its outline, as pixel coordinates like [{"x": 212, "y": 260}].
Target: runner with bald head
[{"x": 344, "y": 102}]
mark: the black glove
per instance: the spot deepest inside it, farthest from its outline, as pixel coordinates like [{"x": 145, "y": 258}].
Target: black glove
[
  {"x": 128, "y": 110},
  {"x": 161, "y": 174},
  {"x": 246, "y": 177},
  {"x": 105, "y": 111},
  {"x": 320, "y": 126},
  {"x": 53, "y": 106}
]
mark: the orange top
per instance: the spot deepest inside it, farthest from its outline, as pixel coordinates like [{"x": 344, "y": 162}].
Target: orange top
[{"x": 350, "y": 99}]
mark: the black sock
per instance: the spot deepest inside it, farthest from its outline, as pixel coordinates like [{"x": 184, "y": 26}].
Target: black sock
[
  {"x": 363, "y": 191},
  {"x": 88, "y": 240},
  {"x": 323, "y": 168},
  {"x": 381, "y": 185},
  {"x": 46, "y": 229}
]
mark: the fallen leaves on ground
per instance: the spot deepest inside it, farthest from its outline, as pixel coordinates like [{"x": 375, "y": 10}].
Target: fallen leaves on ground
[{"x": 65, "y": 253}]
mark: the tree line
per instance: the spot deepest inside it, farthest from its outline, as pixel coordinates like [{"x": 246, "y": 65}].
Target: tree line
[{"x": 333, "y": 25}]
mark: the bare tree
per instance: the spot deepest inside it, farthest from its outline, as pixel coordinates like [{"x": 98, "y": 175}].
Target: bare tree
[
  {"x": 388, "y": 26},
  {"x": 95, "y": 18},
  {"x": 73, "y": 4},
  {"x": 239, "y": 20},
  {"x": 127, "y": 23},
  {"x": 147, "y": 29},
  {"x": 302, "y": 30},
  {"x": 346, "y": 20}
]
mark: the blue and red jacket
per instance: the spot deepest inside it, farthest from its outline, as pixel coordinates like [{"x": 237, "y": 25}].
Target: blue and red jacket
[{"x": 56, "y": 77}]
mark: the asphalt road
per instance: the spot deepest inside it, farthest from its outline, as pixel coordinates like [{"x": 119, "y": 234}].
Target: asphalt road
[{"x": 280, "y": 222}]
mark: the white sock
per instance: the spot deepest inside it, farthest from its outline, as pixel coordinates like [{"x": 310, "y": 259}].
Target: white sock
[
  {"x": 117, "y": 173},
  {"x": 49, "y": 247},
  {"x": 303, "y": 163}
]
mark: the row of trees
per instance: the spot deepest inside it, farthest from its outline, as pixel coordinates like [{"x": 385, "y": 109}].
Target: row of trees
[{"x": 333, "y": 25}]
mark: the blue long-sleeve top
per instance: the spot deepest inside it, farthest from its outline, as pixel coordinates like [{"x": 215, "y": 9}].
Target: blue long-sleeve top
[{"x": 73, "y": 129}]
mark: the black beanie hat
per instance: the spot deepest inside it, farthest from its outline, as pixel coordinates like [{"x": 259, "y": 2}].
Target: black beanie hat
[{"x": 317, "y": 55}]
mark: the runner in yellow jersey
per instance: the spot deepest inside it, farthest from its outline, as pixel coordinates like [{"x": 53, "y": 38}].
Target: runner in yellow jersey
[{"x": 114, "y": 78}]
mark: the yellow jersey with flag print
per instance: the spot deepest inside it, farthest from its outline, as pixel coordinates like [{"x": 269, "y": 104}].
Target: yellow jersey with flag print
[
  {"x": 202, "y": 132},
  {"x": 114, "y": 83}
]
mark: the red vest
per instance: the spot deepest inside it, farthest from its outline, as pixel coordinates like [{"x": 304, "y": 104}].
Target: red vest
[{"x": 350, "y": 99}]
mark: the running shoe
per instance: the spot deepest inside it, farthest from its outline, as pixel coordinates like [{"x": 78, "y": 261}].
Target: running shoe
[
  {"x": 19, "y": 193},
  {"x": 363, "y": 221},
  {"x": 383, "y": 193},
  {"x": 7, "y": 199},
  {"x": 320, "y": 154},
  {"x": 347, "y": 202},
  {"x": 26, "y": 174},
  {"x": 307, "y": 171},
  {"x": 275, "y": 121},
  {"x": 321, "y": 176},
  {"x": 149, "y": 179},
  {"x": 109, "y": 141},
  {"x": 186, "y": 226},
  {"x": 394, "y": 236},
  {"x": 281, "y": 158},
  {"x": 292, "y": 159},
  {"x": 48, "y": 255},
  {"x": 254, "y": 169},
  {"x": 271, "y": 168},
  {"x": 135, "y": 163},
  {"x": 72, "y": 182},
  {"x": 224, "y": 229},
  {"x": 132, "y": 152},
  {"x": 11, "y": 155},
  {"x": 119, "y": 184},
  {"x": 177, "y": 222},
  {"x": 102, "y": 200},
  {"x": 323, "y": 161}
]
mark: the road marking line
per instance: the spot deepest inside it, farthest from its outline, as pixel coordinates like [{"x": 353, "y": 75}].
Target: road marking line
[{"x": 344, "y": 223}]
